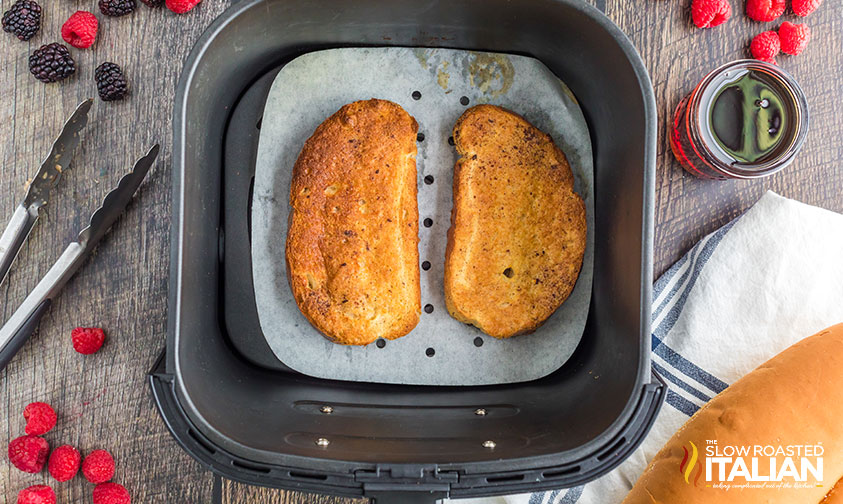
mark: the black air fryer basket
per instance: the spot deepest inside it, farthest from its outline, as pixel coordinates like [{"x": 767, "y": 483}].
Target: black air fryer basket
[{"x": 236, "y": 409}]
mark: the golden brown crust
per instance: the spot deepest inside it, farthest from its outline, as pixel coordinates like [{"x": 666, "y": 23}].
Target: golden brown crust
[
  {"x": 517, "y": 236},
  {"x": 352, "y": 243},
  {"x": 792, "y": 399},
  {"x": 835, "y": 495}
]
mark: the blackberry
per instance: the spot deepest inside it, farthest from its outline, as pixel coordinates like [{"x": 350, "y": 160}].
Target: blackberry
[
  {"x": 116, "y": 7},
  {"x": 153, "y": 3},
  {"x": 51, "y": 63},
  {"x": 111, "y": 83},
  {"x": 23, "y": 19}
]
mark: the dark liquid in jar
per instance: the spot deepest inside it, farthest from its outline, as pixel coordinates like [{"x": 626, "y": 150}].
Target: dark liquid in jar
[
  {"x": 746, "y": 119},
  {"x": 750, "y": 119}
]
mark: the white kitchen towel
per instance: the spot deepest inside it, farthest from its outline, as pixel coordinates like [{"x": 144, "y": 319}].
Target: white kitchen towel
[{"x": 743, "y": 294}]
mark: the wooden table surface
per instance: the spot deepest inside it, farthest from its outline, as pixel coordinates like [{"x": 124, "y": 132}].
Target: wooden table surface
[{"x": 103, "y": 400}]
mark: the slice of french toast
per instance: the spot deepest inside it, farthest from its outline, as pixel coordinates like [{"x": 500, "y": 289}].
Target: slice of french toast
[
  {"x": 352, "y": 242},
  {"x": 518, "y": 229}
]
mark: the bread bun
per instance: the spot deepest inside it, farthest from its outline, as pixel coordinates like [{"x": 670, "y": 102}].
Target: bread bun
[
  {"x": 794, "y": 399},
  {"x": 835, "y": 495}
]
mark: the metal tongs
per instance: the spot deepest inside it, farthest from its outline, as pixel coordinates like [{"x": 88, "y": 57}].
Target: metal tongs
[
  {"x": 38, "y": 194},
  {"x": 24, "y": 321}
]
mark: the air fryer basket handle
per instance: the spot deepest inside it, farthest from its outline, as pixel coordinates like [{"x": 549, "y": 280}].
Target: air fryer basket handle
[{"x": 404, "y": 497}]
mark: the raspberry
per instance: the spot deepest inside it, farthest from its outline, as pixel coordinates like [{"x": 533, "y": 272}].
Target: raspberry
[
  {"x": 710, "y": 13},
  {"x": 765, "y": 46},
  {"x": 40, "y": 418},
  {"x": 181, "y": 6},
  {"x": 51, "y": 63},
  {"x": 28, "y": 453},
  {"x": 794, "y": 37},
  {"x": 805, "y": 7},
  {"x": 116, "y": 7},
  {"x": 64, "y": 463},
  {"x": 111, "y": 83},
  {"x": 80, "y": 29},
  {"x": 87, "y": 340},
  {"x": 111, "y": 493},
  {"x": 23, "y": 19},
  {"x": 98, "y": 466},
  {"x": 765, "y": 10},
  {"x": 37, "y": 494}
]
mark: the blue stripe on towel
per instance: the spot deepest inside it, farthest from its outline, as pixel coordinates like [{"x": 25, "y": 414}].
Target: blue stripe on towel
[
  {"x": 681, "y": 384},
  {"x": 680, "y": 403},
  {"x": 537, "y": 498},
  {"x": 663, "y": 280},
  {"x": 690, "y": 369},
  {"x": 678, "y": 362},
  {"x": 571, "y": 496},
  {"x": 670, "y": 295},
  {"x": 704, "y": 255},
  {"x": 691, "y": 256},
  {"x": 699, "y": 255}
]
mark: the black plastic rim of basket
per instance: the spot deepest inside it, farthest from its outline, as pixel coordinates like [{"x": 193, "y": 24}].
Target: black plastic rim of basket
[{"x": 383, "y": 481}]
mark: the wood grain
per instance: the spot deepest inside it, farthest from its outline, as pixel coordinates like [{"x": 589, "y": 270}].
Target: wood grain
[
  {"x": 235, "y": 492},
  {"x": 102, "y": 400}
]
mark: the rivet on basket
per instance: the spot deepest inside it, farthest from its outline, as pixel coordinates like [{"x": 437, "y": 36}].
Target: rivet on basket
[
  {"x": 326, "y": 409},
  {"x": 489, "y": 444},
  {"x": 324, "y": 442},
  {"x": 480, "y": 412}
]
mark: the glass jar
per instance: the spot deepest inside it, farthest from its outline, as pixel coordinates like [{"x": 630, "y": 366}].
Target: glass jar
[{"x": 746, "y": 119}]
